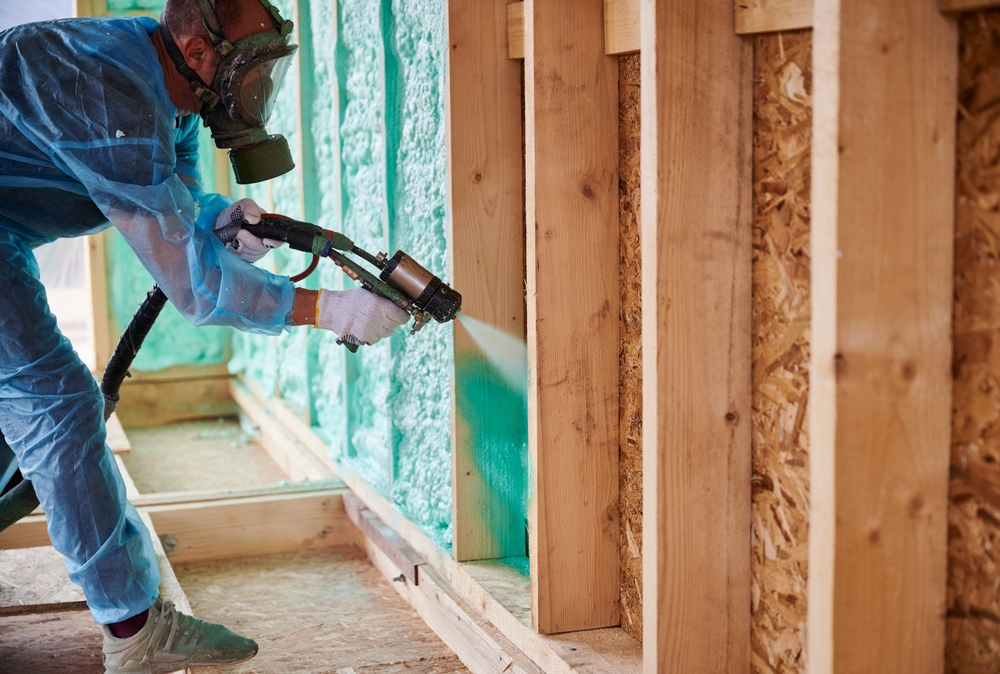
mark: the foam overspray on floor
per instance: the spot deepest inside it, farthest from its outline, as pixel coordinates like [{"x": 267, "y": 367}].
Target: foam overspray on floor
[{"x": 491, "y": 399}]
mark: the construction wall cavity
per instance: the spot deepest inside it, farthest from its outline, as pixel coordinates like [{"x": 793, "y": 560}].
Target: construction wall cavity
[
  {"x": 173, "y": 341},
  {"x": 630, "y": 354},
  {"x": 973, "y": 623},
  {"x": 364, "y": 113},
  {"x": 782, "y": 127}
]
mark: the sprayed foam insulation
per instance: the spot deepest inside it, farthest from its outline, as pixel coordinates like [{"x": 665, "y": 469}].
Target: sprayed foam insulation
[
  {"x": 973, "y": 623},
  {"x": 781, "y": 306},
  {"x": 173, "y": 340},
  {"x": 630, "y": 354},
  {"x": 420, "y": 398},
  {"x": 364, "y": 114}
]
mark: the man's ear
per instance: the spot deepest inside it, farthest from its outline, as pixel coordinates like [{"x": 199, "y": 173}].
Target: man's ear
[{"x": 199, "y": 55}]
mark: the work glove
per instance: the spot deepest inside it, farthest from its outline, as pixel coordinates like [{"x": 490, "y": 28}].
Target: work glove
[
  {"x": 358, "y": 316},
  {"x": 246, "y": 246}
]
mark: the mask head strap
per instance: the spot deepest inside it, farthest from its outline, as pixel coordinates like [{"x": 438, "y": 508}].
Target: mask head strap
[{"x": 200, "y": 89}]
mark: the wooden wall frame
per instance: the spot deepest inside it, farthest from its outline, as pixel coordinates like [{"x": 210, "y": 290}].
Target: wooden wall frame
[
  {"x": 880, "y": 413},
  {"x": 696, "y": 283},
  {"x": 486, "y": 193},
  {"x": 571, "y": 140}
]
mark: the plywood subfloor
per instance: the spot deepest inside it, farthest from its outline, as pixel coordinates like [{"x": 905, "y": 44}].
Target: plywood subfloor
[
  {"x": 315, "y": 611},
  {"x": 52, "y": 643},
  {"x": 163, "y": 458},
  {"x": 34, "y": 580}
]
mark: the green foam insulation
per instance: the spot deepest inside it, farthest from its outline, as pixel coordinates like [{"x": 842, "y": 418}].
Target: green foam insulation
[
  {"x": 172, "y": 341},
  {"x": 363, "y": 110}
]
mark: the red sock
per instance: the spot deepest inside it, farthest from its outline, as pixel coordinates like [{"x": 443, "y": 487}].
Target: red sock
[{"x": 130, "y": 626}]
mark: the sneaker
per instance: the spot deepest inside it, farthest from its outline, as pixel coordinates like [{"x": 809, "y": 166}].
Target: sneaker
[{"x": 170, "y": 641}]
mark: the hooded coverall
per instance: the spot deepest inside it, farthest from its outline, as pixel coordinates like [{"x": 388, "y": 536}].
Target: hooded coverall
[{"x": 89, "y": 138}]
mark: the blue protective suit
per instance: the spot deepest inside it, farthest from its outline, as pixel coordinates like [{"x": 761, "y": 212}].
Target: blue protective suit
[{"x": 88, "y": 137}]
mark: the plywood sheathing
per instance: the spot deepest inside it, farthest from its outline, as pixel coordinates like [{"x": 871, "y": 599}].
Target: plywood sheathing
[
  {"x": 780, "y": 512},
  {"x": 630, "y": 356},
  {"x": 973, "y": 625}
]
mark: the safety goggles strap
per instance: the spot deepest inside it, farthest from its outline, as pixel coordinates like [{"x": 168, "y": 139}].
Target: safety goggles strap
[
  {"x": 200, "y": 89},
  {"x": 214, "y": 28}
]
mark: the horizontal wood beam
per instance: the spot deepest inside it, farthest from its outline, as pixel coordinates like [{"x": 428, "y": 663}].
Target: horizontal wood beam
[
  {"x": 767, "y": 16},
  {"x": 401, "y": 554},
  {"x": 478, "y": 644},
  {"x": 253, "y": 526}
]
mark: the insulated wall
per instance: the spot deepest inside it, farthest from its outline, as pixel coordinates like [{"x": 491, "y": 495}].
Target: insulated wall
[{"x": 364, "y": 114}]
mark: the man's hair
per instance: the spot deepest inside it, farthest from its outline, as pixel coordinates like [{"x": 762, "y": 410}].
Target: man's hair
[{"x": 183, "y": 17}]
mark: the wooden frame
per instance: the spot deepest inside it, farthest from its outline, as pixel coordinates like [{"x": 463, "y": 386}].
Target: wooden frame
[
  {"x": 571, "y": 140},
  {"x": 879, "y": 415},
  {"x": 956, "y": 6},
  {"x": 696, "y": 221},
  {"x": 486, "y": 175},
  {"x": 766, "y": 16}
]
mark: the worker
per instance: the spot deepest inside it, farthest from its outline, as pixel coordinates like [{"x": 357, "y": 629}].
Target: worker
[{"x": 98, "y": 124}]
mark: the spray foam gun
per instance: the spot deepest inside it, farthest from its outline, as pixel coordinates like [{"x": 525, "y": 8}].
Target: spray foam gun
[{"x": 401, "y": 279}]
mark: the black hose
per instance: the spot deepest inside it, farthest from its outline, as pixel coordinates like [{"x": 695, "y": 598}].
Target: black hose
[{"x": 128, "y": 346}]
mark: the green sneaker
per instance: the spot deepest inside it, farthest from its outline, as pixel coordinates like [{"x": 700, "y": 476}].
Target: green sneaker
[{"x": 170, "y": 641}]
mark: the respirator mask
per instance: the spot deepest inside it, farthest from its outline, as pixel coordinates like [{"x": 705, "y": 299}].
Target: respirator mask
[{"x": 239, "y": 101}]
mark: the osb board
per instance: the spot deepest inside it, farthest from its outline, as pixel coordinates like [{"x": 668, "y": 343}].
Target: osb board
[
  {"x": 973, "y": 625},
  {"x": 54, "y": 643},
  {"x": 780, "y": 510},
  {"x": 315, "y": 611},
  {"x": 34, "y": 580},
  {"x": 630, "y": 355},
  {"x": 198, "y": 455}
]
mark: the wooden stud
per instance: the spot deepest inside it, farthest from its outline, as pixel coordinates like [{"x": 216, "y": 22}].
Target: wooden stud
[
  {"x": 170, "y": 588},
  {"x": 100, "y": 312},
  {"x": 956, "y": 6},
  {"x": 696, "y": 284},
  {"x": 880, "y": 390},
  {"x": 486, "y": 175},
  {"x": 621, "y": 26},
  {"x": 571, "y": 140},
  {"x": 767, "y": 16},
  {"x": 515, "y": 30}
]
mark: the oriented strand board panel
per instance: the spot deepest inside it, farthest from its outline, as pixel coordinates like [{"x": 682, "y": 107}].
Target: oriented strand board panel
[
  {"x": 571, "y": 139},
  {"x": 630, "y": 350},
  {"x": 880, "y": 385},
  {"x": 780, "y": 483},
  {"x": 486, "y": 174},
  {"x": 696, "y": 278},
  {"x": 765, "y": 16},
  {"x": 973, "y": 627}
]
